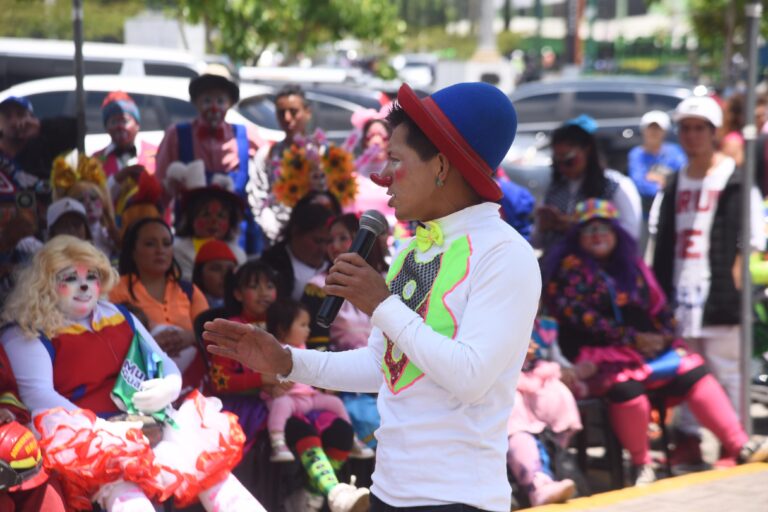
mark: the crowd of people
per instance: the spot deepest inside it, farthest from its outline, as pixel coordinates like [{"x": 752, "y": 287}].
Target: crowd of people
[{"x": 111, "y": 265}]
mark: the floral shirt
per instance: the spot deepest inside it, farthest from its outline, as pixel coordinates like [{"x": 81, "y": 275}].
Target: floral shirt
[{"x": 592, "y": 310}]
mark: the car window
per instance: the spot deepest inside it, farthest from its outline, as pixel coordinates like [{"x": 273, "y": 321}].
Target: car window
[
  {"x": 661, "y": 102},
  {"x": 151, "y": 69},
  {"x": 98, "y": 67},
  {"x": 260, "y": 110},
  {"x": 16, "y": 70},
  {"x": 537, "y": 109},
  {"x": 51, "y": 104},
  {"x": 175, "y": 111},
  {"x": 606, "y": 105},
  {"x": 330, "y": 117},
  {"x": 157, "y": 112},
  {"x": 359, "y": 99}
]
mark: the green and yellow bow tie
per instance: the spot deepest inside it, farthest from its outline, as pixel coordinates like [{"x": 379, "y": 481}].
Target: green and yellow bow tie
[{"x": 428, "y": 235}]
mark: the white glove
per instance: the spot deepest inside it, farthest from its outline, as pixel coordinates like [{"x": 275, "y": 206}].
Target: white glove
[{"x": 157, "y": 394}]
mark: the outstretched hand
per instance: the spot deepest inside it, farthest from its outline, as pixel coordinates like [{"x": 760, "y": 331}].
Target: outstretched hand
[{"x": 248, "y": 345}]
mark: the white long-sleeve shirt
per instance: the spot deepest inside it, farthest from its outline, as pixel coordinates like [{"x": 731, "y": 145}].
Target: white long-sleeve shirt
[
  {"x": 442, "y": 438},
  {"x": 33, "y": 368}
]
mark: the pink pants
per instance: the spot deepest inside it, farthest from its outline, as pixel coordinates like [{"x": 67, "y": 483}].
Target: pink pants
[{"x": 285, "y": 406}]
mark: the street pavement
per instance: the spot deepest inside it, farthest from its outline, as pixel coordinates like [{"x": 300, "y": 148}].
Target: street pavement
[{"x": 738, "y": 489}]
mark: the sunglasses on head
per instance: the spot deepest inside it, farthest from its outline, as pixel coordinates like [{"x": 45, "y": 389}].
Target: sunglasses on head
[{"x": 566, "y": 160}]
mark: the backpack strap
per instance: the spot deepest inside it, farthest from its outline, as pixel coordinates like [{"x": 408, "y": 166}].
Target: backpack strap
[
  {"x": 240, "y": 177},
  {"x": 188, "y": 288},
  {"x": 47, "y": 344},
  {"x": 128, "y": 316},
  {"x": 186, "y": 144}
]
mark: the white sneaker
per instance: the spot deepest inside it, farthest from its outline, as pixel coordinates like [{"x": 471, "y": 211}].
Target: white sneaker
[
  {"x": 360, "y": 450},
  {"x": 643, "y": 475},
  {"x": 348, "y": 498},
  {"x": 315, "y": 502},
  {"x": 280, "y": 451}
]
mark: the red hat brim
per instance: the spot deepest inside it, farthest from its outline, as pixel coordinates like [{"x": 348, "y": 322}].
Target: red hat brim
[
  {"x": 39, "y": 479},
  {"x": 441, "y": 132}
]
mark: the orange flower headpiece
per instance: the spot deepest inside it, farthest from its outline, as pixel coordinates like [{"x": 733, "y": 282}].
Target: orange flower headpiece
[{"x": 313, "y": 164}]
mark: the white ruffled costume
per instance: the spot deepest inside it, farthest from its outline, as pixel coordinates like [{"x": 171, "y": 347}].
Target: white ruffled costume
[{"x": 112, "y": 463}]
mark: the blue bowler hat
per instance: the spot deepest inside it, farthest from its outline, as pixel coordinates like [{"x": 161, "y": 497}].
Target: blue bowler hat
[
  {"x": 18, "y": 100},
  {"x": 473, "y": 124}
]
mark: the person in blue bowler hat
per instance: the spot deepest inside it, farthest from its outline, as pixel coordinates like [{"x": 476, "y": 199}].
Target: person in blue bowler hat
[{"x": 451, "y": 320}]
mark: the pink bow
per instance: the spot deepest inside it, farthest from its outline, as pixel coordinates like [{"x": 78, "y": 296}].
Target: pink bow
[{"x": 360, "y": 117}]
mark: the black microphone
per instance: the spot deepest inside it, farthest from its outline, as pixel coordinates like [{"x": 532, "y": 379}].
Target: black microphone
[{"x": 372, "y": 225}]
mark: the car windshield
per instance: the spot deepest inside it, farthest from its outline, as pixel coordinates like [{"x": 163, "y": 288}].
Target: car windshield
[
  {"x": 259, "y": 110},
  {"x": 157, "y": 112}
]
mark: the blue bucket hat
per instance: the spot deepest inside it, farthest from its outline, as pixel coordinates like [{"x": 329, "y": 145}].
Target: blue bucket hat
[
  {"x": 18, "y": 100},
  {"x": 472, "y": 123}
]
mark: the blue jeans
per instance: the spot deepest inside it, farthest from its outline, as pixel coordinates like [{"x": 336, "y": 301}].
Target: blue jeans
[{"x": 379, "y": 506}]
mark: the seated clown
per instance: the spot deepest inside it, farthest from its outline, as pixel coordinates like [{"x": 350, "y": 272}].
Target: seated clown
[{"x": 100, "y": 387}]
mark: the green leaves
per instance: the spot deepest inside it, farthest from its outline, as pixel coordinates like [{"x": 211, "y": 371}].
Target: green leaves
[{"x": 243, "y": 29}]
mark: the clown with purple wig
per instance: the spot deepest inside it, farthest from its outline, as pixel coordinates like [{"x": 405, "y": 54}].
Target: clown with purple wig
[{"x": 618, "y": 329}]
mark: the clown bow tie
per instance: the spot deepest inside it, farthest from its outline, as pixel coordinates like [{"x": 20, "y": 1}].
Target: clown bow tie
[{"x": 428, "y": 235}]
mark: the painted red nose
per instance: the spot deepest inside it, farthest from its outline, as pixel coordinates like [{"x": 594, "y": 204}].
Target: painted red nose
[{"x": 380, "y": 180}]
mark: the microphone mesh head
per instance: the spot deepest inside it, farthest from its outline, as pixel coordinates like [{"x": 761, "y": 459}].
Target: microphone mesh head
[{"x": 374, "y": 221}]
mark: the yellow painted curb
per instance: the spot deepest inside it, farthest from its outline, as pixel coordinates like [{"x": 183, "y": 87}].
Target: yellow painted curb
[{"x": 668, "y": 484}]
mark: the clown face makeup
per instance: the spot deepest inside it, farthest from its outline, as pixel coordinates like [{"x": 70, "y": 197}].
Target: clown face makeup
[
  {"x": 77, "y": 289},
  {"x": 597, "y": 239},
  {"x": 212, "y": 221},
  {"x": 122, "y": 128},
  {"x": 212, "y": 106},
  {"x": 410, "y": 180},
  {"x": 94, "y": 207}
]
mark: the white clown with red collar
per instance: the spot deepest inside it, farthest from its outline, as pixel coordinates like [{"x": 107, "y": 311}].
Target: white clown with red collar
[{"x": 74, "y": 358}]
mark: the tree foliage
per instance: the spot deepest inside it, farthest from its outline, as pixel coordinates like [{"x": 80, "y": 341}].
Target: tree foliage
[
  {"x": 103, "y": 19},
  {"x": 243, "y": 29},
  {"x": 720, "y": 28}
]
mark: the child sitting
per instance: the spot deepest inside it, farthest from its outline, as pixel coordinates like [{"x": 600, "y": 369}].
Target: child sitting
[
  {"x": 288, "y": 321},
  {"x": 206, "y": 213},
  {"x": 213, "y": 263},
  {"x": 542, "y": 401},
  {"x": 249, "y": 292}
]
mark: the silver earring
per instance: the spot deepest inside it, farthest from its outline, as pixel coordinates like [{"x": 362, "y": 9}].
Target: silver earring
[{"x": 439, "y": 182}]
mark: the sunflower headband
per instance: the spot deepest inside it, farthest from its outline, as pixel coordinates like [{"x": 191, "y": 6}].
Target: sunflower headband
[
  {"x": 313, "y": 164},
  {"x": 63, "y": 176}
]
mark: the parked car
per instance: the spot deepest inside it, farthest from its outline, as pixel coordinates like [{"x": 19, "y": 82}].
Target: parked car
[
  {"x": 162, "y": 101},
  {"x": 616, "y": 103},
  {"x": 23, "y": 60}
]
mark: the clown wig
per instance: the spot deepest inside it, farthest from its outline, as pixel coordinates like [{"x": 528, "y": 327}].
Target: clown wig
[
  {"x": 621, "y": 264},
  {"x": 32, "y": 304}
]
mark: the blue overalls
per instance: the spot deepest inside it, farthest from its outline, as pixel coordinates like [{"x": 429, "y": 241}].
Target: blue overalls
[{"x": 251, "y": 236}]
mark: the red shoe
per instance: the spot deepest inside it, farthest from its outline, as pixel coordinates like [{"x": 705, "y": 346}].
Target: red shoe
[{"x": 725, "y": 463}]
